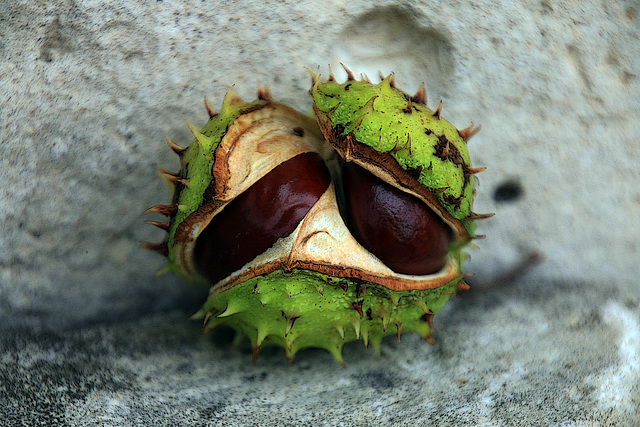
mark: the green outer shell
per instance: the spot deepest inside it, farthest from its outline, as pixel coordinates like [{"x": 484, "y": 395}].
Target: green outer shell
[
  {"x": 323, "y": 309},
  {"x": 376, "y": 115},
  {"x": 197, "y": 164}
]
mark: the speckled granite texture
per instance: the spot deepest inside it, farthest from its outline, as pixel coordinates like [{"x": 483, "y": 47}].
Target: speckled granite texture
[{"x": 89, "y": 90}]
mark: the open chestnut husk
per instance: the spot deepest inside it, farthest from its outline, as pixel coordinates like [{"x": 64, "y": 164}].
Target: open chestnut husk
[{"x": 256, "y": 215}]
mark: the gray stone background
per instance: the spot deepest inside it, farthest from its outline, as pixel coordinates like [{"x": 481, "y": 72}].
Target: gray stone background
[{"x": 90, "y": 89}]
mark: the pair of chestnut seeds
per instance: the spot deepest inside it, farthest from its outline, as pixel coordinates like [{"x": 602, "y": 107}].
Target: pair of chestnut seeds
[{"x": 317, "y": 231}]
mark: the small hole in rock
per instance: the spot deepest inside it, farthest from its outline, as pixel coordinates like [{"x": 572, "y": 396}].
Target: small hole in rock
[{"x": 508, "y": 191}]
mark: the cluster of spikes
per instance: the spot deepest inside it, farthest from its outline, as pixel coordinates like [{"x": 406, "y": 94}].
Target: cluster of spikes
[
  {"x": 215, "y": 318},
  {"x": 420, "y": 97}
]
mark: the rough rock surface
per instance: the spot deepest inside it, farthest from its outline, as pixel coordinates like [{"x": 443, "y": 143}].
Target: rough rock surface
[{"x": 89, "y": 90}]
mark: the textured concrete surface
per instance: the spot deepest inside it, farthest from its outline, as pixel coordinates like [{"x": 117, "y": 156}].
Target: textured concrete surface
[{"x": 89, "y": 90}]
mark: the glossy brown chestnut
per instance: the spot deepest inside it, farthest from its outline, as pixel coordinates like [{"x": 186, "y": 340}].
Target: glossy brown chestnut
[
  {"x": 268, "y": 210},
  {"x": 403, "y": 232}
]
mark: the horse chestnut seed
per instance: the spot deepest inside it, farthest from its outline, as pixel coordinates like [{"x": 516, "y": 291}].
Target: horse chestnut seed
[
  {"x": 404, "y": 233},
  {"x": 268, "y": 210}
]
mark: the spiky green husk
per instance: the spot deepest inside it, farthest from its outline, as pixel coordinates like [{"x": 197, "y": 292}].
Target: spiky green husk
[
  {"x": 196, "y": 165},
  {"x": 304, "y": 309},
  {"x": 385, "y": 119},
  {"x": 301, "y": 308}
]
